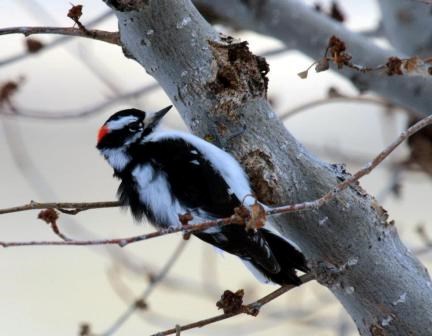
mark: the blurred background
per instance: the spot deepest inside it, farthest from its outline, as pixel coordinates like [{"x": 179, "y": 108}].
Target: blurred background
[{"x": 64, "y": 290}]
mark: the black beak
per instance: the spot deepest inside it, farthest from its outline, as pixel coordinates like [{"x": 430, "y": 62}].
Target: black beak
[{"x": 157, "y": 117}]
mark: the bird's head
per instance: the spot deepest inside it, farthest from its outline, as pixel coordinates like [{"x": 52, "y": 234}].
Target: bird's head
[{"x": 127, "y": 127}]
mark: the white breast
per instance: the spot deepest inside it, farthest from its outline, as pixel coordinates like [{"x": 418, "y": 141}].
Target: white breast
[
  {"x": 117, "y": 158},
  {"x": 155, "y": 192}
]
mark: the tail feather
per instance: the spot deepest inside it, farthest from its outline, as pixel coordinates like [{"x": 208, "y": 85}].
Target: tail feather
[
  {"x": 288, "y": 257},
  {"x": 285, "y": 252},
  {"x": 270, "y": 257}
]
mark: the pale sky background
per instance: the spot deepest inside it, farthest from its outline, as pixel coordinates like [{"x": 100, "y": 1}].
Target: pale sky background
[{"x": 51, "y": 290}]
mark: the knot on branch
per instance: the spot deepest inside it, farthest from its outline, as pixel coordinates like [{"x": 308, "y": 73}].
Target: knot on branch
[
  {"x": 381, "y": 212},
  {"x": 238, "y": 76},
  {"x": 260, "y": 169},
  {"x": 253, "y": 218},
  {"x": 330, "y": 275},
  {"x": 141, "y": 304},
  {"x": 342, "y": 174},
  {"x": 377, "y": 330}
]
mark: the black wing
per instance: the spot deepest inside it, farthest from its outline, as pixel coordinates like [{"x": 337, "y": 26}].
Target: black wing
[{"x": 193, "y": 180}]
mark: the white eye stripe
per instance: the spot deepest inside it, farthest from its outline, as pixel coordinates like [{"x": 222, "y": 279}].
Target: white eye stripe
[{"x": 120, "y": 123}]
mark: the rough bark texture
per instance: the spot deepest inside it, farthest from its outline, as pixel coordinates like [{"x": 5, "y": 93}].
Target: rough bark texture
[
  {"x": 301, "y": 27},
  {"x": 219, "y": 87},
  {"x": 407, "y": 25}
]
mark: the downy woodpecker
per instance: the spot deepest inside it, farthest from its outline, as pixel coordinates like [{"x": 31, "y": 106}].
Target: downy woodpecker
[{"x": 167, "y": 174}]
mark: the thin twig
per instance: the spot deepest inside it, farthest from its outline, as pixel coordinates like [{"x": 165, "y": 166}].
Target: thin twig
[
  {"x": 95, "y": 34},
  {"x": 142, "y": 299},
  {"x": 82, "y": 113},
  {"x": 55, "y": 42},
  {"x": 124, "y": 241},
  {"x": 343, "y": 99},
  {"x": 308, "y": 205},
  {"x": 74, "y": 207},
  {"x": 250, "y": 309}
]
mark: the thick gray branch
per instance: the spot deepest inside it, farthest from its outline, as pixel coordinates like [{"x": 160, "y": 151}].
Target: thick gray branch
[
  {"x": 302, "y": 28},
  {"x": 407, "y": 25},
  {"x": 219, "y": 87}
]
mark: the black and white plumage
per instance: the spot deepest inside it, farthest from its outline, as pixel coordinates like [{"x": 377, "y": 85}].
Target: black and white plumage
[{"x": 167, "y": 174}]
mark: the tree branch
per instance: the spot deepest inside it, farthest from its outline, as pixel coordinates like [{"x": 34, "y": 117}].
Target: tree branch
[
  {"x": 95, "y": 34},
  {"x": 406, "y": 25},
  {"x": 250, "y": 309},
  {"x": 122, "y": 242},
  {"x": 67, "y": 207},
  {"x": 341, "y": 99},
  {"x": 54, "y": 43},
  {"x": 301, "y": 27}
]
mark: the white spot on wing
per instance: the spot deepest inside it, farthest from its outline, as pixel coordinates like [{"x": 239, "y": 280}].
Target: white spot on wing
[
  {"x": 121, "y": 122},
  {"x": 270, "y": 227},
  {"x": 195, "y": 162},
  {"x": 223, "y": 162},
  {"x": 154, "y": 191}
]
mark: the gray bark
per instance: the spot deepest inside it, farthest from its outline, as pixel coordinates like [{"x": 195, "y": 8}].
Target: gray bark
[
  {"x": 407, "y": 26},
  {"x": 219, "y": 88},
  {"x": 301, "y": 27}
]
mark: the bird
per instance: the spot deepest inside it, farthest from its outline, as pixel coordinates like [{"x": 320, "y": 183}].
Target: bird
[{"x": 166, "y": 174}]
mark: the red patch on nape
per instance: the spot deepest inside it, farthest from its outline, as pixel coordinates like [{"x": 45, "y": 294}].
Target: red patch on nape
[{"x": 102, "y": 132}]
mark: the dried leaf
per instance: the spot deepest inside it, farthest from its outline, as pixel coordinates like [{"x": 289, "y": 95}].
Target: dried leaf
[
  {"x": 84, "y": 329},
  {"x": 8, "y": 89},
  {"x": 394, "y": 66},
  {"x": 231, "y": 302},
  {"x": 241, "y": 215},
  {"x": 336, "y": 45},
  {"x": 337, "y": 49},
  {"x": 33, "y": 45},
  {"x": 141, "y": 304},
  {"x": 49, "y": 216},
  {"x": 185, "y": 218},
  {"x": 257, "y": 217},
  {"x": 322, "y": 65},
  {"x": 336, "y": 13},
  {"x": 75, "y": 12},
  {"x": 412, "y": 63},
  {"x": 303, "y": 74}
]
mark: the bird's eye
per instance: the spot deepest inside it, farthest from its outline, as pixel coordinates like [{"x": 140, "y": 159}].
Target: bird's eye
[{"x": 136, "y": 126}]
